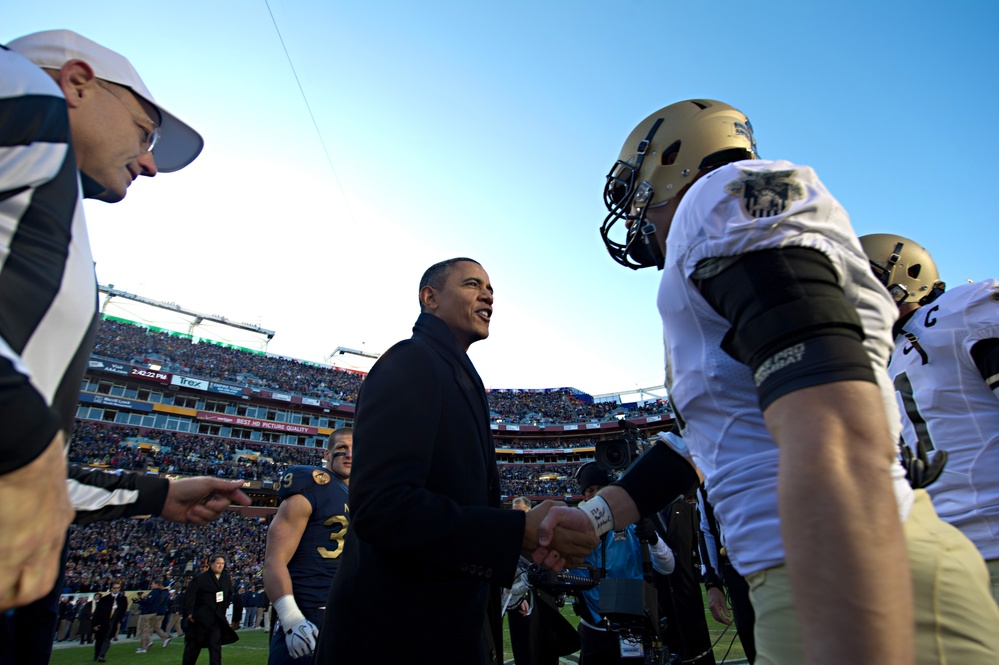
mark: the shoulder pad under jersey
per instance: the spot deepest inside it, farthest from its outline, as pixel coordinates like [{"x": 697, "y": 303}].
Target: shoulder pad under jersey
[{"x": 298, "y": 479}]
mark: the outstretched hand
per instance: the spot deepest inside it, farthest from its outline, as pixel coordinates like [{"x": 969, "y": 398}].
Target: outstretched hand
[{"x": 201, "y": 500}]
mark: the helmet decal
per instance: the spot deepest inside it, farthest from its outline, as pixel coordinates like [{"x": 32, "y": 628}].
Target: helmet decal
[{"x": 746, "y": 129}]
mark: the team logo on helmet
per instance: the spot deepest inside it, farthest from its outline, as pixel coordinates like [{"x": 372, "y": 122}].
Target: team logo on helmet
[
  {"x": 320, "y": 477},
  {"x": 766, "y": 193}
]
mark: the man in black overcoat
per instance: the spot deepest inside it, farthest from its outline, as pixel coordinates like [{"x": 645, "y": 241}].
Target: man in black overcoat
[
  {"x": 205, "y": 604},
  {"x": 106, "y": 622},
  {"x": 429, "y": 545}
]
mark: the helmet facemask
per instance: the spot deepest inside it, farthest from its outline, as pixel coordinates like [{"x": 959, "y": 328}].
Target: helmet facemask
[{"x": 626, "y": 199}]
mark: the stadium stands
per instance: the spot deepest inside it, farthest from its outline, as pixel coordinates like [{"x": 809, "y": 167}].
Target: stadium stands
[{"x": 163, "y": 420}]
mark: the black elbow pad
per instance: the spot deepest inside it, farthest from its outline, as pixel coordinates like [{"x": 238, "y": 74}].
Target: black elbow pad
[
  {"x": 658, "y": 478},
  {"x": 790, "y": 321}
]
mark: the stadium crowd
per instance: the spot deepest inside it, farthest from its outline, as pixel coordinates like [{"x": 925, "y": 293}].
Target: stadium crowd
[
  {"x": 137, "y": 551},
  {"x": 121, "y": 447},
  {"x": 545, "y": 444},
  {"x": 538, "y": 480},
  {"x": 176, "y": 353},
  {"x": 113, "y": 446}
]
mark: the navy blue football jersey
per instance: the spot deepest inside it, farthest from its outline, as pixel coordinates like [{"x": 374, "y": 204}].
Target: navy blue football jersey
[{"x": 316, "y": 560}]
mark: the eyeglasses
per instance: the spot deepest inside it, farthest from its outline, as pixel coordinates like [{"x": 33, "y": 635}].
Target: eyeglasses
[{"x": 150, "y": 135}]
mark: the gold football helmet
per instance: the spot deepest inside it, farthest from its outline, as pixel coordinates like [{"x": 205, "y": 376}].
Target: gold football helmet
[
  {"x": 663, "y": 154},
  {"x": 904, "y": 267}
]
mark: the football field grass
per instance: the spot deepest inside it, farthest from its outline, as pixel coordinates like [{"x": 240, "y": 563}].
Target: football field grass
[{"x": 251, "y": 649}]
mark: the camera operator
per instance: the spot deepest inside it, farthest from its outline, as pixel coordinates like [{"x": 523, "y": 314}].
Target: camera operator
[
  {"x": 620, "y": 557},
  {"x": 539, "y": 634}
]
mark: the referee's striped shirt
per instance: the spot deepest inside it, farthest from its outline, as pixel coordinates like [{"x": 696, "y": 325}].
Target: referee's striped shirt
[{"x": 48, "y": 289}]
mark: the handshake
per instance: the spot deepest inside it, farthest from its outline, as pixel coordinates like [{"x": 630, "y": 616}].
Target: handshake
[{"x": 557, "y": 536}]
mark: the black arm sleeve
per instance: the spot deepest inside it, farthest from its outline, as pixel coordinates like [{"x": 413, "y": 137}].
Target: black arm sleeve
[
  {"x": 791, "y": 323},
  {"x": 657, "y": 478},
  {"x": 986, "y": 356},
  {"x": 100, "y": 496}
]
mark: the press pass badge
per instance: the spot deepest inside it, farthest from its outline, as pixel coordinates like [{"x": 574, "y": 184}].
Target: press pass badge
[
  {"x": 631, "y": 648},
  {"x": 218, "y": 596}
]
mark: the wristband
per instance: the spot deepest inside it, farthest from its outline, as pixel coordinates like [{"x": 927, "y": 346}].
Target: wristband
[
  {"x": 288, "y": 612},
  {"x": 599, "y": 513}
]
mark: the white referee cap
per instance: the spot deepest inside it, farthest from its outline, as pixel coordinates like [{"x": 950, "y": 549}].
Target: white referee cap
[{"x": 178, "y": 144}]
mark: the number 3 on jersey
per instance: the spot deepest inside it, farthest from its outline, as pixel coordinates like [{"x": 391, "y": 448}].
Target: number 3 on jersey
[{"x": 338, "y": 531}]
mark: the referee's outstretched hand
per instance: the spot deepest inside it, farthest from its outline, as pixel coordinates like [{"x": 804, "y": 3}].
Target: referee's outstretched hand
[{"x": 202, "y": 499}]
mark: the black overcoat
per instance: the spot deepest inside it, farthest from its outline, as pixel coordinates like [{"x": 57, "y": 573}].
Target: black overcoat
[
  {"x": 200, "y": 602},
  {"x": 428, "y": 546}
]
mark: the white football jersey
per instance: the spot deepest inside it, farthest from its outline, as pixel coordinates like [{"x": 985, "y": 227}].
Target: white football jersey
[
  {"x": 745, "y": 207},
  {"x": 946, "y": 403}
]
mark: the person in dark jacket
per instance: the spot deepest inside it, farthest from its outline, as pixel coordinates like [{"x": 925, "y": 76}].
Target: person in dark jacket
[
  {"x": 84, "y": 614},
  {"x": 67, "y": 612},
  {"x": 108, "y": 614},
  {"x": 427, "y": 529},
  {"x": 152, "y": 609},
  {"x": 205, "y": 605},
  {"x": 251, "y": 601}
]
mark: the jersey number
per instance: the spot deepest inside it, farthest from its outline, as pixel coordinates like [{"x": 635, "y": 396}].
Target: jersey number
[
  {"x": 338, "y": 531},
  {"x": 904, "y": 388}
]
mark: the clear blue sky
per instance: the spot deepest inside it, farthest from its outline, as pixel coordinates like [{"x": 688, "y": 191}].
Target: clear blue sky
[{"x": 486, "y": 129}]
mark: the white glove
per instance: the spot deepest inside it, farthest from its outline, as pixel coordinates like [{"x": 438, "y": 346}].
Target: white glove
[
  {"x": 301, "y": 638},
  {"x": 299, "y": 633}
]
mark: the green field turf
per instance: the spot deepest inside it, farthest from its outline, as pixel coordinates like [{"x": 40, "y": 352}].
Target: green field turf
[{"x": 252, "y": 649}]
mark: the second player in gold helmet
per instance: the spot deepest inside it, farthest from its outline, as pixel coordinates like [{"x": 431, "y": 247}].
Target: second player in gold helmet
[
  {"x": 662, "y": 156},
  {"x": 904, "y": 267}
]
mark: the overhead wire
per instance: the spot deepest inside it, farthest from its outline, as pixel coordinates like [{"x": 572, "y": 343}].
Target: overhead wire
[{"x": 308, "y": 107}]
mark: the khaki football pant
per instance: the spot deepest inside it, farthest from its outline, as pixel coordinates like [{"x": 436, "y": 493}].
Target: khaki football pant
[{"x": 956, "y": 620}]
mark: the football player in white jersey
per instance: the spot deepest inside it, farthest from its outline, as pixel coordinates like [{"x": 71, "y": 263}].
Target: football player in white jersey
[
  {"x": 777, "y": 339},
  {"x": 945, "y": 369}
]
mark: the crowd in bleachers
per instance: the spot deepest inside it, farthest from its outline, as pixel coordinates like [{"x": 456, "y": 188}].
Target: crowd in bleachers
[
  {"x": 136, "y": 344},
  {"x": 543, "y": 408},
  {"x": 114, "y": 446},
  {"x": 538, "y": 480},
  {"x": 545, "y": 444},
  {"x": 119, "y": 447},
  {"x": 137, "y": 551},
  {"x": 130, "y": 343}
]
